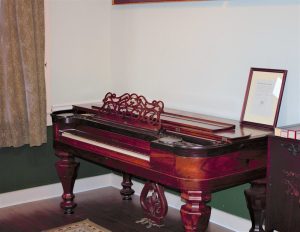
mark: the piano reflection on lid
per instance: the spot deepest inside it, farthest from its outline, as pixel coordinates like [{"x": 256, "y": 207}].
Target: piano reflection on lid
[{"x": 192, "y": 153}]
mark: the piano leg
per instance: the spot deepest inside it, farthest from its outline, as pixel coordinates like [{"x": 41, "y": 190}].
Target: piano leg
[
  {"x": 195, "y": 213},
  {"x": 127, "y": 191},
  {"x": 256, "y": 202},
  {"x": 67, "y": 171}
]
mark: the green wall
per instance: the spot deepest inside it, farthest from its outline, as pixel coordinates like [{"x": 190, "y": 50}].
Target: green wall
[
  {"x": 232, "y": 201},
  {"x": 27, "y": 167}
]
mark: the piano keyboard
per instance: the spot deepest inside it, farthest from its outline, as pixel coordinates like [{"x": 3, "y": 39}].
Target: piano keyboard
[{"x": 106, "y": 146}]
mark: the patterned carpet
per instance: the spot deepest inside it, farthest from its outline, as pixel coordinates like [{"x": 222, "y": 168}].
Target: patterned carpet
[{"x": 82, "y": 226}]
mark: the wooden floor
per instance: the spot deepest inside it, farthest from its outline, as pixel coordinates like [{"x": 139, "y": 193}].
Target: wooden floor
[{"x": 103, "y": 206}]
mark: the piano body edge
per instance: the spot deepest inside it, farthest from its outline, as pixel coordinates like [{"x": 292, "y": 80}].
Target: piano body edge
[{"x": 182, "y": 165}]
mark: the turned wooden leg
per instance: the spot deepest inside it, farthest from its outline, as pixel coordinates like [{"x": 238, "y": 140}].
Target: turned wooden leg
[
  {"x": 67, "y": 171},
  {"x": 127, "y": 191},
  {"x": 256, "y": 202},
  {"x": 195, "y": 213}
]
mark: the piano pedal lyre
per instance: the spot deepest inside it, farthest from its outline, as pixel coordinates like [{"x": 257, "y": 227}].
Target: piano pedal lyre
[
  {"x": 148, "y": 223},
  {"x": 154, "y": 204}
]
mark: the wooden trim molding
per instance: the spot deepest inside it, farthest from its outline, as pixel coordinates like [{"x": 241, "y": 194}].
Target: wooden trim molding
[{"x": 116, "y": 2}]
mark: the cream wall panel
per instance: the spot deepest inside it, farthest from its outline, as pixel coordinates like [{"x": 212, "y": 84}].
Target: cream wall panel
[
  {"x": 79, "y": 56},
  {"x": 197, "y": 55},
  {"x": 192, "y": 55}
]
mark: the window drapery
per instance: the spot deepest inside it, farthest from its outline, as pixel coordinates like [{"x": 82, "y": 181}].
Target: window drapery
[{"x": 22, "y": 78}]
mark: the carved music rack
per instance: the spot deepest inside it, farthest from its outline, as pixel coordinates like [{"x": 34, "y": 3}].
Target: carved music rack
[{"x": 132, "y": 110}]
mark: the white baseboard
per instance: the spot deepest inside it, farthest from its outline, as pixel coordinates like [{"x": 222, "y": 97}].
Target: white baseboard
[
  {"x": 218, "y": 217},
  {"x": 52, "y": 190},
  {"x": 230, "y": 221}
]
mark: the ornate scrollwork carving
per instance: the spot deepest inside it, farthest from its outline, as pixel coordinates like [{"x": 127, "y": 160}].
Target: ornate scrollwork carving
[
  {"x": 133, "y": 108},
  {"x": 291, "y": 180},
  {"x": 292, "y": 148},
  {"x": 154, "y": 203}
]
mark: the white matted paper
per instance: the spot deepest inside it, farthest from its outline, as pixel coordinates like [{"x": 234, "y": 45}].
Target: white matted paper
[{"x": 263, "y": 96}]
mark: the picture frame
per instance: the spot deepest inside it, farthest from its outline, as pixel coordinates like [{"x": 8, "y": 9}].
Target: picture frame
[
  {"x": 263, "y": 97},
  {"x": 116, "y": 2}
]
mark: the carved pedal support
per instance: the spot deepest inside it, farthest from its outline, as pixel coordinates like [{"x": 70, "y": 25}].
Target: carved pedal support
[
  {"x": 149, "y": 223},
  {"x": 195, "y": 213},
  {"x": 292, "y": 182},
  {"x": 127, "y": 191},
  {"x": 154, "y": 203},
  {"x": 67, "y": 171}
]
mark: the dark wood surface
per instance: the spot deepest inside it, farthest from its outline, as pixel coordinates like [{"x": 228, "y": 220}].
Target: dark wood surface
[
  {"x": 283, "y": 191},
  {"x": 197, "y": 162},
  {"x": 103, "y": 206}
]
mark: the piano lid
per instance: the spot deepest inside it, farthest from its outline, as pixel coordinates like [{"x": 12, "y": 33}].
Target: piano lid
[
  {"x": 170, "y": 120},
  {"x": 135, "y": 112}
]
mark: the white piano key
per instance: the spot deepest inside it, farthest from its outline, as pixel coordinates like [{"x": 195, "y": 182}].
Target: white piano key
[{"x": 107, "y": 146}]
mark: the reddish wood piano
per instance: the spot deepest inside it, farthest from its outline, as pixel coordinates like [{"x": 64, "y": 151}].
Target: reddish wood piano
[{"x": 192, "y": 153}]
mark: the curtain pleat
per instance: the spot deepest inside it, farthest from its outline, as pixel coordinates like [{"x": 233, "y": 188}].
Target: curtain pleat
[{"x": 22, "y": 78}]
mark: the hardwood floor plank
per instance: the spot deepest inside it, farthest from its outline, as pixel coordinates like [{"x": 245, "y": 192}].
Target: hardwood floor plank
[{"x": 102, "y": 206}]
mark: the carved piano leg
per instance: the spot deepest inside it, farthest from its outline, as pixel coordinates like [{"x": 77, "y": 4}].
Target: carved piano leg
[
  {"x": 256, "y": 202},
  {"x": 154, "y": 203},
  {"x": 67, "y": 171},
  {"x": 127, "y": 191},
  {"x": 195, "y": 213}
]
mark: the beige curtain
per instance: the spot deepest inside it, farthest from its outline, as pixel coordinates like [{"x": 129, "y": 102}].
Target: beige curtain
[{"x": 22, "y": 78}]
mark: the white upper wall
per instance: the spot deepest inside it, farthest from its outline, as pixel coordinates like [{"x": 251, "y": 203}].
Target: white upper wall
[
  {"x": 78, "y": 50},
  {"x": 192, "y": 55},
  {"x": 197, "y": 55}
]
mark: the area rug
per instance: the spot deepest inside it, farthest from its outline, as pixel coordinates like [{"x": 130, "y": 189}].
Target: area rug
[{"x": 82, "y": 226}]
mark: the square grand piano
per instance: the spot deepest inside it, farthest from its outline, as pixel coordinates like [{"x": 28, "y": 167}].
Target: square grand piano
[{"x": 192, "y": 153}]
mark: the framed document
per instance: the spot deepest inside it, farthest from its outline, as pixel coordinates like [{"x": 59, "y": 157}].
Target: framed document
[{"x": 263, "y": 97}]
